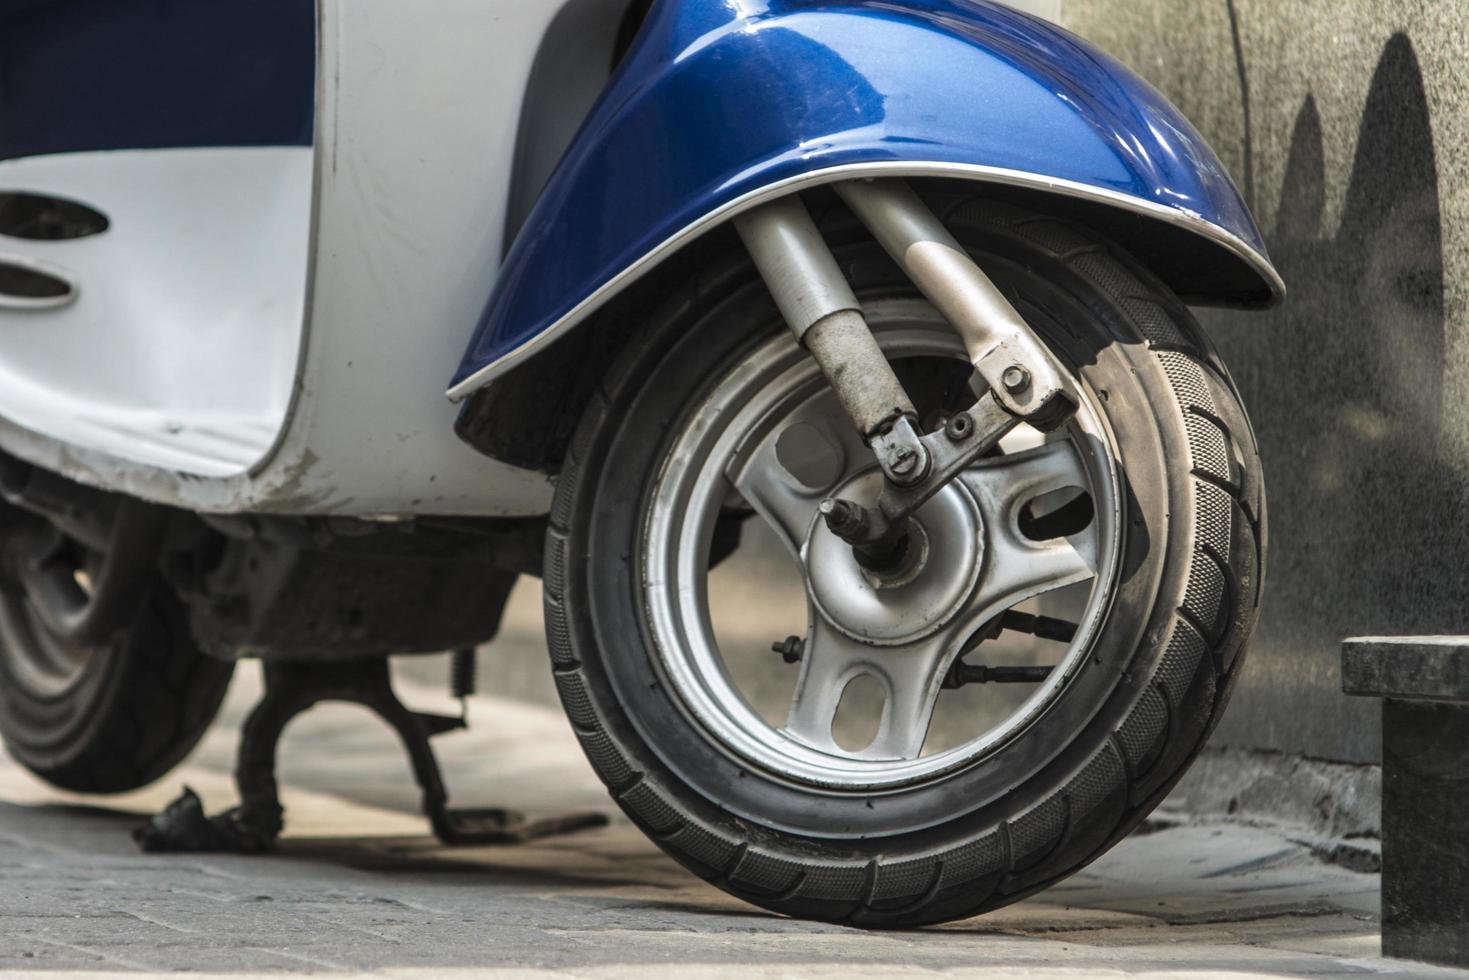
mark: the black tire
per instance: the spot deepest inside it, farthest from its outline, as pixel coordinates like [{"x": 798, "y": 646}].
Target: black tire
[
  {"x": 1161, "y": 669},
  {"x": 139, "y": 705}
]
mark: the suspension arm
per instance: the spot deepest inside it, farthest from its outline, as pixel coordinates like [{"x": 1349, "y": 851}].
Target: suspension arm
[
  {"x": 1025, "y": 383},
  {"x": 1025, "y": 377}
]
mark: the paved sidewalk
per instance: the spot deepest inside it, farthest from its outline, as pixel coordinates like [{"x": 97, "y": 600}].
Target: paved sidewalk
[{"x": 358, "y": 888}]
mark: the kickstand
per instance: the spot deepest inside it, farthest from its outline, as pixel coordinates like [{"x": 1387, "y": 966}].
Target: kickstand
[{"x": 291, "y": 688}]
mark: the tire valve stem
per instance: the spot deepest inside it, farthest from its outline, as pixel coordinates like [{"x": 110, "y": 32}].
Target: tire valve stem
[{"x": 790, "y": 649}]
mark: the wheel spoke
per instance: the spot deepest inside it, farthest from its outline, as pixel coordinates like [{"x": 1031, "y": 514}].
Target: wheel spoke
[
  {"x": 831, "y": 661},
  {"x": 788, "y": 472},
  {"x": 910, "y": 677},
  {"x": 913, "y": 679},
  {"x": 1016, "y": 567}
]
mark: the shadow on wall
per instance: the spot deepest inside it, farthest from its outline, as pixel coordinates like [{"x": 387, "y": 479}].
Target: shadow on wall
[{"x": 1344, "y": 383}]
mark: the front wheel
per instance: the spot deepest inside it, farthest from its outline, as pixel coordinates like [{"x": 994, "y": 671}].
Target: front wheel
[{"x": 945, "y": 741}]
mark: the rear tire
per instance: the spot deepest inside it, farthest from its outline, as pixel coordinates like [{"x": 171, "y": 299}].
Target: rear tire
[
  {"x": 1123, "y": 729},
  {"x": 123, "y": 714}
]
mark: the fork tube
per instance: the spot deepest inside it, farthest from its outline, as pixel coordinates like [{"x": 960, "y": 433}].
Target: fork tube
[
  {"x": 1024, "y": 375},
  {"x": 820, "y": 308}
]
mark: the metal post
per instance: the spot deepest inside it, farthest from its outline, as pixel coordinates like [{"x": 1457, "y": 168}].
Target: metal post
[{"x": 1423, "y": 682}]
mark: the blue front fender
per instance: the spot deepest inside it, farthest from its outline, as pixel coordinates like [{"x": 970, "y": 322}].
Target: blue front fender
[{"x": 722, "y": 103}]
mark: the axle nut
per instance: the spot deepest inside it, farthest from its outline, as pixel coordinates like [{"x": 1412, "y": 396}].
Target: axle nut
[{"x": 1015, "y": 379}]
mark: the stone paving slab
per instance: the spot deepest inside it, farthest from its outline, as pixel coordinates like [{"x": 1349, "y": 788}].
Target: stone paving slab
[{"x": 359, "y": 888}]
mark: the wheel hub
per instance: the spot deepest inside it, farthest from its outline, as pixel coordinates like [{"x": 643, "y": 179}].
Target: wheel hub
[{"x": 921, "y": 595}]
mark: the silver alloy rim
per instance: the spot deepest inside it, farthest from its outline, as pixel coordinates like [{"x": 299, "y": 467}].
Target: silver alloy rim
[
  {"x": 44, "y": 664},
  {"x": 978, "y": 565}
]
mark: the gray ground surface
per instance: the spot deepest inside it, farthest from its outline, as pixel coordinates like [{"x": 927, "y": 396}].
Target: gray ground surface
[{"x": 358, "y": 887}]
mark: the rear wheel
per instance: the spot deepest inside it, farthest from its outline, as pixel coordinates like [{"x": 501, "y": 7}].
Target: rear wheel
[
  {"x": 1124, "y": 549},
  {"x": 91, "y": 709}
]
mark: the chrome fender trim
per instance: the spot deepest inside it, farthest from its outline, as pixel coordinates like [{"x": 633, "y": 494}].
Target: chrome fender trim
[{"x": 1186, "y": 220}]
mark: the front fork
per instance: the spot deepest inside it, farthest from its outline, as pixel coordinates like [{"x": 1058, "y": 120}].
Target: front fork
[{"x": 1025, "y": 382}]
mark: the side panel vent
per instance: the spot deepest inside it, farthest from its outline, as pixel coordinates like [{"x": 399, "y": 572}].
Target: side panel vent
[
  {"x": 29, "y": 286},
  {"x": 39, "y": 217}
]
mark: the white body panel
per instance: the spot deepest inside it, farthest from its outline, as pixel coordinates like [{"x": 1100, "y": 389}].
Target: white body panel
[
  {"x": 181, "y": 344},
  {"x": 415, "y": 139}
]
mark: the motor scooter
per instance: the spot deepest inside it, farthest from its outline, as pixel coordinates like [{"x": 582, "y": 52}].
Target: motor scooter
[{"x": 900, "y": 286}]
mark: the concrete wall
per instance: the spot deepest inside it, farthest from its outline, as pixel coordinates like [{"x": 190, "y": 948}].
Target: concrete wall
[{"x": 1345, "y": 125}]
